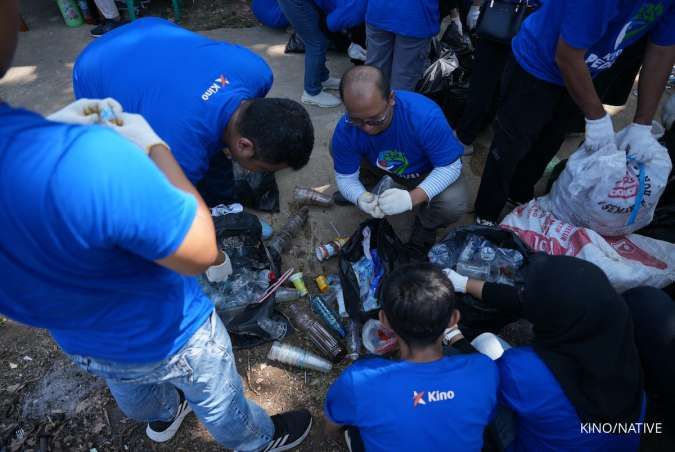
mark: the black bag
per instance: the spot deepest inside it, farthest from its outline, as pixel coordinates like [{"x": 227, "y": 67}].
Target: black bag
[
  {"x": 392, "y": 254},
  {"x": 438, "y": 76},
  {"x": 477, "y": 316},
  {"x": 500, "y": 20}
]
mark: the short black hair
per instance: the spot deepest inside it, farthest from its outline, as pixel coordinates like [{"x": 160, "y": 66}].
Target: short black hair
[
  {"x": 280, "y": 129},
  {"x": 366, "y": 73},
  {"x": 418, "y": 300}
]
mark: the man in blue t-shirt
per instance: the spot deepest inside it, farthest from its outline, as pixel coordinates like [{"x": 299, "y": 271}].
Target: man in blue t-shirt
[
  {"x": 398, "y": 36},
  {"x": 201, "y": 96},
  {"x": 557, "y": 53},
  {"x": 101, "y": 234},
  {"x": 403, "y": 135},
  {"x": 425, "y": 401}
]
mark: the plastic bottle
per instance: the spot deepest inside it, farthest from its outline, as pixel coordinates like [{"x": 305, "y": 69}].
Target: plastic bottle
[
  {"x": 70, "y": 12},
  {"x": 276, "y": 330},
  {"x": 307, "y": 196},
  {"x": 318, "y": 335},
  {"x": 282, "y": 239},
  {"x": 353, "y": 340},
  {"x": 285, "y": 294},
  {"x": 296, "y": 356},
  {"x": 337, "y": 293},
  {"x": 377, "y": 339},
  {"x": 330, "y": 249},
  {"x": 320, "y": 308}
]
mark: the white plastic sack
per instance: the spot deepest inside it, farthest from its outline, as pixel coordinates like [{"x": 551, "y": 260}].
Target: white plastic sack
[
  {"x": 629, "y": 261},
  {"x": 608, "y": 192}
]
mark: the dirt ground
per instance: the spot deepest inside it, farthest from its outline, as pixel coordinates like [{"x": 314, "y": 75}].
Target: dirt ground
[{"x": 44, "y": 399}]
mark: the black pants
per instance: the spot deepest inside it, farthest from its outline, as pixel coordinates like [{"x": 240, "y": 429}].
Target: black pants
[
  {"x": 490, "y": 57},
  {"x": 533, "y": 120},
  {"x": 654, "y": 319}
]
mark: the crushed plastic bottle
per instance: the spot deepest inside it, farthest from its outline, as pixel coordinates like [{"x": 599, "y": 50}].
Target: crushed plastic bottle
[
  {"x": 318, "y": 335},
  {"x": 353, "y": 340},
  {"x": 276, "y": 330}
]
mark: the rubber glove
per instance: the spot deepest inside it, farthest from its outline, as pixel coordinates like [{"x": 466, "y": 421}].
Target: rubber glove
[
  {"x": 458, "y": 281},
  {"x": 220, "y": 273},
  {"x": 86, "y": 111},
  {"x": 637, "y": 138},
  {"x": 599, "y": 133},
  {"x": 668, "y": 113},
  {"x": 395, "y": 201},
  {"x": 458, "y": 22},
  {"x": 472, "y": 17},
  {"x": 367, "y": 202},
  {"x": 137, "y": 130}
]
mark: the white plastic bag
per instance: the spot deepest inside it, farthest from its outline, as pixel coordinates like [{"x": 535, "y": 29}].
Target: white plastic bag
[
  {"x": 629, "y": 261},
  {"x": 609, "y": 192}
]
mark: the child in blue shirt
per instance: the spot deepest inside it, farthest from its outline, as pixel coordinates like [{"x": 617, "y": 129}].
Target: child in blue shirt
[{"x": 424, "y": 401}]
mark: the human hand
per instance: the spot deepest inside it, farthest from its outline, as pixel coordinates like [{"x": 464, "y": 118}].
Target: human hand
[
  {"x": 394, "y": 201},
  {"x": 637, "y": 139},
  {"x": 458, "y": 281},
  {"x": 472, "y": 16},
  {"x": 137, "y": 130},
  {"x": 220, "y": 272},
  {"x": 599, "y": 133},
  {"x": 87, "y": 111},
  {"x": 367, "y": 202},
  {"x": 458, "y": 22}
]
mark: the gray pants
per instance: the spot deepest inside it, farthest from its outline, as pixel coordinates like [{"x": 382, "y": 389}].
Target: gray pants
[{"x": 402, "y": 59}]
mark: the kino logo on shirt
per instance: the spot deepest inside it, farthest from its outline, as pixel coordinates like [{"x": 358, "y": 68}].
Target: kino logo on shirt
[
  {"x": 219, "y": 83},
  {"x": 431, "y": 396}
]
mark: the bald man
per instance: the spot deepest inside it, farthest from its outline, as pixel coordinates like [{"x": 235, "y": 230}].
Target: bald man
[{"x": 403, "y": 135}]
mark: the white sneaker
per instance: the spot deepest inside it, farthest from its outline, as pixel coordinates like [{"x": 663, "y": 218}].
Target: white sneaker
[
  {"x": 332, "y": 83},
  {"x": 323, "y": 99},
  {"x": 160, "y": 431}
]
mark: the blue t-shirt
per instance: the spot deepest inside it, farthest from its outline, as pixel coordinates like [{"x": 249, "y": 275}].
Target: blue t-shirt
[
  {"x": 444, "y": 405},
  {"x": 412, "y": 18},
  {"x": 417, "y": 140},
  {"x": 84, "y": 213},
  {"x": 187, "y": 86},
  {"x": 604, "y": 27},
  {"x": 545, "y": 418}
]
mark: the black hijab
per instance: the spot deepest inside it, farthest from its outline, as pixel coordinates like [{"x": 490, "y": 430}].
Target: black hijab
[{"x": 584, "y": 334}]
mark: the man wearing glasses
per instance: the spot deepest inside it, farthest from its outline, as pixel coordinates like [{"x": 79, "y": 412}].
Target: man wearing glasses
[{"x": 403, "y": 135}]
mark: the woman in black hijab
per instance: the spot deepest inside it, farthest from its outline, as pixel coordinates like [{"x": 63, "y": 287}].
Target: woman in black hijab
[{"x": 582, "y": 371}]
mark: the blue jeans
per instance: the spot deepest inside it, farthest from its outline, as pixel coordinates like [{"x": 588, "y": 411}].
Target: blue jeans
[
  {"x": 305, "y": 17},
  {"x": 205, "y": 371}
]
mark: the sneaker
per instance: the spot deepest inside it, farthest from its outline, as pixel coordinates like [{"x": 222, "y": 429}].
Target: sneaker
[
  {"x": 332, "y": 83},
  {"x": 290, "y": 429},
  {"x": 104, "y": 28},
  {"x": 483, "y": 222},
  {"x": 323, "y": 100},
  {"x": 163, "y": 431}
]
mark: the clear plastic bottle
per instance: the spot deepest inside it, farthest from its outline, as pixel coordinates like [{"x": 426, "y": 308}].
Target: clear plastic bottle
[
  {"x": 283, "y": 294},
  {"x": 296, "y": 356},
  {"x": 320, "y": 308},
  {"x": 308, "y": 196},
  {"x": 276, "y": 330},
  {"x": 318, "y": 335},
  {"x": 353, "y": 340},
  {"x": 281, "y": 240}
]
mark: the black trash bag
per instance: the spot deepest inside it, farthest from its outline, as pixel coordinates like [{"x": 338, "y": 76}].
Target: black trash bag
[
  {"x": 338, "y": 42},
  {"x": 453, "y": 39},
  {"x": 295, "y": 44},
  {"x": 251, "y": 327},
  {"x": 438, "y": 77},
  {"x": 392, "y": 254},
  {"x": 477, "y": 316},
  {"x": 257, "y": 190}
]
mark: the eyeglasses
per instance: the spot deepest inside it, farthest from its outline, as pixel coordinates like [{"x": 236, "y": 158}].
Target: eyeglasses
[{"x": 368, "y": 122}]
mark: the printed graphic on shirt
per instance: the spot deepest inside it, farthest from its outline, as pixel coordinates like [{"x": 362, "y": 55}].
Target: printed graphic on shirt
[
  {"x": 431, "y": 397},
  {"x": 392, "y": 161},
  {"x": 219, "y": 83},
  {"x": 636, "y": 26}
]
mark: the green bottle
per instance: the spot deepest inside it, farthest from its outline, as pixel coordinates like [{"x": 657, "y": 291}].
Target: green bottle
[{"x": 70, "y": 12}]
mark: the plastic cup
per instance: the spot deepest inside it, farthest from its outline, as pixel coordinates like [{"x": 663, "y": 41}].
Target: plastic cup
[
  {"x": 296, "y": 356},
  {"x": 299, "y": 283}
]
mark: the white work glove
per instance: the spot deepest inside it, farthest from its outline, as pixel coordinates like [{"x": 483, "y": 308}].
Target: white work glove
[
  {"x": 220, "y": 273},
  {"x": 458, "y": 281},
  {"x": 458, "y": 22},
  {"x": 367, "y": 202},
  {"x": 137, "y": 130},
  {"x": 86, "y": 111},
  {"x": 472, "y": 17},
  {"x": 395, "y": 201},
  {"x": 668, "y": 113},
  {"x": 637, "y": 139},
  {"x": 599, "y": 133},
  {"x": 356, "y": 52}
]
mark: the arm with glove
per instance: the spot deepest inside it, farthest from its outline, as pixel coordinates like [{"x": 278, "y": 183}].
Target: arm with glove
[
  {"x": 353, "y": 190},
  {"x": 473, "y": 14}
]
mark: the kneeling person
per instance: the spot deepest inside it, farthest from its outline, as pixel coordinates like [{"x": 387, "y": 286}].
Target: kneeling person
[
  {"x": 425, "y": 401},
  {"x": 403, "y": 135}
]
